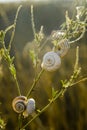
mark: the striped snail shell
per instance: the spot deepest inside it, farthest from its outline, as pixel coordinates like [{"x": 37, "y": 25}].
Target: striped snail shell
[
  {"x": 30, "y": 107},
  {"x": 57, "y": 34},
  {"x": 51, "y": 61},
  {"x": 63, "y": 47},
  {"x": 19, "y": 104}
]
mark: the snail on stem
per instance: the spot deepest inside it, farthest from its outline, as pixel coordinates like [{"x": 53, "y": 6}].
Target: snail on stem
[
  {"x": 23, "y": 105},
  {"x": 19, "y": 104},
  {"x": 51, "y": 61},
  {"x": 63, "y": 47}
]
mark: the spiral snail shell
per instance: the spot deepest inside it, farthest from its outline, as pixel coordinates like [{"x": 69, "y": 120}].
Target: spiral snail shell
[
  {"x": 51, "y": 61},
  {"x": 57, "y": 34},
  {"x": 30, "y": 107},
  {"x": 63, "y": 47},
  {"x": 19, "y": 104}
]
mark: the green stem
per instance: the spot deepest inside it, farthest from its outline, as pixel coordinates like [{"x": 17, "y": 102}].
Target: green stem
[
  {"x": 32, "y": 22},
  {"x": 13, "y": 32},
  {"x": 3, "y": 44},
  {"x": 7, "y": 51},
  {"x": 17, "y": 85},
  {"x": 15, "y": 78},
  {"x": 45, "y": 108},
  {"x": 35, "y": 82},
  {"x": 19, "y": 121},
  {"x": 76, "y": 40},
  {"x": 82, "y": 34},
  {"x": 82, "y": 80},
  {"x": 9, "y": 28},
  {"x": 51, "y": 101}
]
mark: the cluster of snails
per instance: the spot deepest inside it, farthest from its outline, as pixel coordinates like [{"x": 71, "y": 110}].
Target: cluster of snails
[
  {"x": 23, "y": 105},
  {"x": 52, "y": 60}
]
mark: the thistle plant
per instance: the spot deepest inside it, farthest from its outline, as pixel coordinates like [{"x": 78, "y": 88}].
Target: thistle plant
[{"x": 71, "y": 31}]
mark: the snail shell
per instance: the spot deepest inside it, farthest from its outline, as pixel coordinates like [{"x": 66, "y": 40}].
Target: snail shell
[
  {"x": 19, "y": 104},
  {"x": 63, "y": 47},
  {"x": 30, "y": 107},
  {"x": 57, "y": 34},
  {"x": 51, "y": 61}
]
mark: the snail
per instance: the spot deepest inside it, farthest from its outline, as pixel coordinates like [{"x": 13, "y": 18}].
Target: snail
[
  {"x": 63, "y": 47},
  {"x": 57, "y": 34},
  {"x": 23, "y": 105},
  {"x": 51, "y": 61},
  {"x": 19, "y": 104},
  {"x": 30, "y": 107}
]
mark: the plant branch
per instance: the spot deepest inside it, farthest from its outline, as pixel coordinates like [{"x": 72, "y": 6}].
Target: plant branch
[
  {"x": 44, "y": 109},
  {"x": 51, "y": 101},
  {"x": 13, "y": 32},
  {"x": 32, "y": 22},
  {"x": 82, "y": 80},
  {"x": 17, "y": 85},
  {"x": 35, "y": 82},
  {"x": 82, "y": 34},
  {"x": 9, "y": 28}
]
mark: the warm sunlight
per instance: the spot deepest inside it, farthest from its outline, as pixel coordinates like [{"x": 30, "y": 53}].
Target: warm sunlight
[{"x": 6, "y": 1}]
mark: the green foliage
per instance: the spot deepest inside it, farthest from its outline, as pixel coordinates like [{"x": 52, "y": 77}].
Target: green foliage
[
  {"x": 54, "y": 92},
  {"x": 2, "y": 35},
  {"x": 72, "y": 29},
  {"x": 39, "y": 36},
  {"x": 76, "y": 72},
  {"x": 34, "y": 57},
  {"x": 12, "y": 70},
  {"x": 2, "y": 124}
]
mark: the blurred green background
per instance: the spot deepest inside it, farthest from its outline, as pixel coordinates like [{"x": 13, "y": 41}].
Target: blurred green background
[{"x": 68, "y": 112}]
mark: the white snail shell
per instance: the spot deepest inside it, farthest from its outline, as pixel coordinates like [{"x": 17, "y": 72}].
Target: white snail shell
[
  {"x": 19, "y": 104},
  {"x": 30, "y": 107},
  {"x": 51, "y": 61},
  {"x": 63, "y": 47}
]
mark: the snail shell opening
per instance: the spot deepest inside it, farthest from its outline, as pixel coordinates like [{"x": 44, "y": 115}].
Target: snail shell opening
[
  {"x": 51, "y": 61},
  {"x": 30, "y": 107}
]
